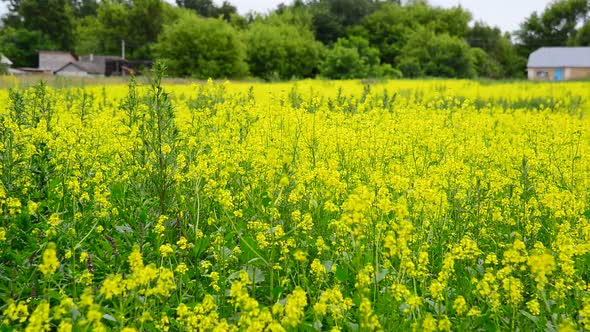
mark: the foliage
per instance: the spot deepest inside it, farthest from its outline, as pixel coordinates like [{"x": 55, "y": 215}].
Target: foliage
[
  {"x": 137, "y": 22},
  {"x": 84, "y": 8},
  {"x": 500, "y": 50},
  {"x": 485, "y": 65},
  {"x": 331, "y": 18},
  {"x": 53, "y": 18},
  {"x": 555, "y": 26},
  {"x": 281, "y": 51},
  {"x": 390, "y": 27},
  {"x": 201, "y": 47},
  {"x": 427, "y": 54},
  {"x": 22, "y": 46},
  {"x": 354, "y": 58},
  {"x": 207, "y": 8},
  {"x": 583, "y": 36},
  {"x": 429, "y": 205}
]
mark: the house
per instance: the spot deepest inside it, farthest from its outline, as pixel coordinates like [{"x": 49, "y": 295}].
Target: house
[
  {"x": 5, "y": 64},
  {"x": 5, "y": 61},
  {"x": 86, "y": 66},
  {"x": 100, "y": 66},
  {"x": 559, "y": 64},
  {"x": 49, "y": 61}
]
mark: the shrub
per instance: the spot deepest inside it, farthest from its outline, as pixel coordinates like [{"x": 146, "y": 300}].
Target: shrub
[{"x": 202, "y": 48}]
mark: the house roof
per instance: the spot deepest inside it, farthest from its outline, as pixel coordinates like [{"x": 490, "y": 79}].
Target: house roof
[
  {"x": 4, "y": 60},
  {"x": 549, "y": 57},
  {"x": 85, "y": 66},
  {"x": 99, "y": 58}
]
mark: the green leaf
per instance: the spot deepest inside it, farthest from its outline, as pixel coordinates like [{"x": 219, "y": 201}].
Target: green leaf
[
  {"x": 255, "y": 274},
  {"x": 109, "y": 317},
  {"x": 341, "y": 274}
]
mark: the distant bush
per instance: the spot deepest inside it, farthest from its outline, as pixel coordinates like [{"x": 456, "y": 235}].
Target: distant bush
[
  {"x": 353, "y": 57},
  {"x": 282, "y": 51},
  {"x": 22, "y": 46},
  {"x": 436, "y": 55},
  {"x": 202, "y": 48}
]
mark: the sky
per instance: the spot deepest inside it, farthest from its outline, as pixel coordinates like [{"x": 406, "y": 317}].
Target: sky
[{"x": 506, "y": 14}]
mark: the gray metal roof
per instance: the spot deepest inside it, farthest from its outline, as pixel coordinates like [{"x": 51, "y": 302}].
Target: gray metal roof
[
  {"x": 4, "y": 60},
  {"x": 85, "y": 66},
  {"x": 549, "y": 57}
]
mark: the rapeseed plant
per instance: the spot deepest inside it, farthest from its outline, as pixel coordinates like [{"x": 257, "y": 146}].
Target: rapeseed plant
[{"x": 285, "y": 207}]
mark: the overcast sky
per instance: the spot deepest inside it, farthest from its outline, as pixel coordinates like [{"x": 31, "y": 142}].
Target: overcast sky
[{"x": 507, "y": 14}]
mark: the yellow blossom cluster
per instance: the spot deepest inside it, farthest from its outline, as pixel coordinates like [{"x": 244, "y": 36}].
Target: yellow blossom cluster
[{"x": 296, "y": 206}]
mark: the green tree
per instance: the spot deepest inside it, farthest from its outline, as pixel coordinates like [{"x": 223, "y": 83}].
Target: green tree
[
  {"x": 137, "y": 22},
  {"x": 442, "y": 55},
  {"x": 556, "y": 26},
  {"x": 204, "y": 8},
  {"x": 501, "y": 53},
  {"x": 332, "y": 18},
  {"x": 486, "y": 66},
  {"x": 390, "y": 26},
  {"x": 282, "y": 51},
  {"x": 84, "y": 8},
  {"x": 22, "y": 46},
  {"x": 12, "y": 18},
  {"x": 145, "y": 22},
  {"x": 201, "y": 47},
  {"x": 54, "y": 18},
  {"x": 583, "y": 35},
  {"x": 207, "y": 8},
  {"x": 353, "y": 57},
  {"x": 89, "y": 38}
]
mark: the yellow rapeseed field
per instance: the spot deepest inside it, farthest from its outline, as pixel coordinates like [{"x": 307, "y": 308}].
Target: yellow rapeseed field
[{"x": 308, "y": 206}]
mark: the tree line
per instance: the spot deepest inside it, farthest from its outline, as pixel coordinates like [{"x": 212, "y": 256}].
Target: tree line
[{"x": 338, "y": 39}]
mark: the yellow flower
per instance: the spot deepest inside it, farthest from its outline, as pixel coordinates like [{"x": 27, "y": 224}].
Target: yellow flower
[
  {"x": 460, "y": 305},
  {"x": 83, "y": 257},
  {"x": 300, "y": 256},
  {"x": 166, "y": 250},
  {"x": 54, "y": 220},
  {"x": 65, "y": 326},
  {"x": 444, "y": 323},
  {"x": 332, "y": 302},
  {"x": 182, "y": 243},
  {"x": 112, "y": 286},
  {"x": 16, "y": 312},
  {"x": 135, "y": 259},
  {"x": 474, "y": 312},
  {"x": 50, "y": 263},
  {"x": 39, "y": 320},
  {"x": 206, "y": 264},
  {"x": 534, "y": 307},
  {"x": 414, "y": 301},
  {"x": 166, "y": 149},
  {"x": 32, "y": 207},
  {"x": 181, "y": 268},
  {"x": 165, "y": 283},
  {"x": 369, "y": 321},
  {"x": 429, "y": 324},
  {"x": 294, "y": 308},
  {"x": 541, "y": 265},
  {"x": 129, "y": 329},
  {"x": 317, "y": 269}
]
